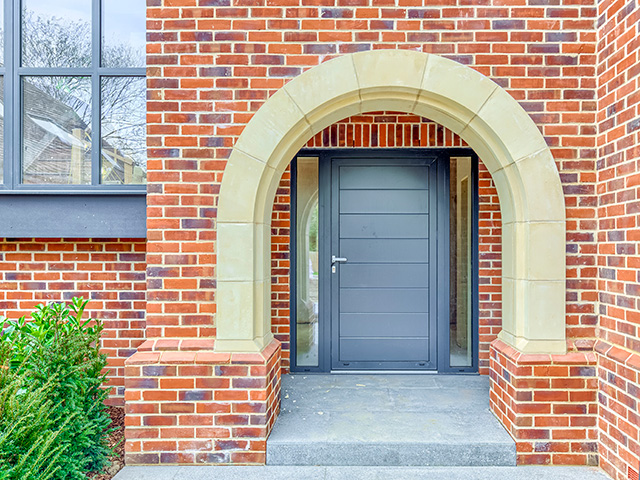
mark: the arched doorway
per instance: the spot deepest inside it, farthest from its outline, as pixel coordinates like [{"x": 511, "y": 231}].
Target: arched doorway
[{"x": 464, "y": 101}]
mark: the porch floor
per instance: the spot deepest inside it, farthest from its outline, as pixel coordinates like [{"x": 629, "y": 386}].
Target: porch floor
[{"x": 388, "y": 420}]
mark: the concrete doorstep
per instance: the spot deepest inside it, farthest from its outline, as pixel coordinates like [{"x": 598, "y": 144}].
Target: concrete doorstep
[{"x": 388, "y": 420}]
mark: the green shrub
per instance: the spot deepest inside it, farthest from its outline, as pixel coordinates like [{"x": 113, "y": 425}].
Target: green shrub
[
  {"x": 29, "y": 447},
  {"x": 57, "y": 354}
]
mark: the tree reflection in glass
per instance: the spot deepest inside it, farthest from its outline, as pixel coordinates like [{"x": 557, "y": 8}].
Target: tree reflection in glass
[{"x": 57, "y": 109}]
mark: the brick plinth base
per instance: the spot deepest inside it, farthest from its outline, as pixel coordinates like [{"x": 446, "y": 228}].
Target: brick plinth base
[
  {"x": 547, "y": 403},
  {"x": 186, "y": 404}
]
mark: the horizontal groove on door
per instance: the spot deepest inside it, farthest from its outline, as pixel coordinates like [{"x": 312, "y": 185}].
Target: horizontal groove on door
[{"x": 385, "y": 337}]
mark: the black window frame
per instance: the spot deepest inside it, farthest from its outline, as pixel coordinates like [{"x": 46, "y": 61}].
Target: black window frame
[{"x": 27, "y": 209}]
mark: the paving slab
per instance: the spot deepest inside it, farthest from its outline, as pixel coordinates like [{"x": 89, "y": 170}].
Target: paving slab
[
  {"x": 359, "y": 473},
  {"x": 388, "y": 420}
]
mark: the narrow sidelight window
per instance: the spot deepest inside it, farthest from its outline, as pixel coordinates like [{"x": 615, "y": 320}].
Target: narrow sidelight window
[
  {"x": 306, "y": 224},
  {"x": 460, "y": 300}
]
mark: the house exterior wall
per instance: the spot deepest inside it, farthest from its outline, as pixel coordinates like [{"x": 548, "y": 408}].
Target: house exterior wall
[{"x": 571, "y": 64}]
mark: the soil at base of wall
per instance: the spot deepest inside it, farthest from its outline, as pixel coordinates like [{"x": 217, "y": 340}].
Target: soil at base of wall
[{"x": 116, "y": 441}]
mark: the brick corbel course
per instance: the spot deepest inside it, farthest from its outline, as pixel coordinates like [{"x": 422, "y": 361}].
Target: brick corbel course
[
  {"x": 547, "y": 403},
  {"x": 186, "y": 404}
]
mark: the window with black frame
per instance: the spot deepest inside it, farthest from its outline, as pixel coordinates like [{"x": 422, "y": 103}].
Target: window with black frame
[{"x": 73, "y": 76}]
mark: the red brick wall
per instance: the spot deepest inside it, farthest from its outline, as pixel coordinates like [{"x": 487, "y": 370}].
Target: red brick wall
[
  {"x": 490, "y": 266},
  {"x": 280, "y": 268},
  {"x": 187, "y": 404},
  {"x": 109, "y": 273},
  {"x": 548, "y": 404},
  {"x": 619, "y": 233},
  {"x": 385, "y": 129},
  {"x": 619, "y": 419},
  {"x": 395, "y": 130}
]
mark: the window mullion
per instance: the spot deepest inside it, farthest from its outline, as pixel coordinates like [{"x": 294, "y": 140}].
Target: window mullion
[
  {"x": 96, "y": 37},
  {"x": 15, "y": 92},
  {"x": 7, "y": 153},
  {"x": 95, "y": 129}
]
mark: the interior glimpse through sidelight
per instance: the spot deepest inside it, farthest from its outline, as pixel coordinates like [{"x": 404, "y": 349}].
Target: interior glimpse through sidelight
[
  {"x": 460, "y": 271},
  {"x": 307, "y": 334}
]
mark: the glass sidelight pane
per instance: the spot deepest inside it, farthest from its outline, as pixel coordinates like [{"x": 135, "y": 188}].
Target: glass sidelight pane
[
  {"x": 1, "y": 33},
  {"x": 460, "y": 208},
  {"x": 56, "y": 125},
  {"x": 307, "y": 341},
  {"x": 2, "y": 109},
  {"x": 123, "y": 158},
  {"x": 123, "y": 33},
  {"x": 56, "y": 33}
]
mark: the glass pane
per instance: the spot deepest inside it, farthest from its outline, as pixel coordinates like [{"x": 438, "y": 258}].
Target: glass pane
[
  {"x": 1, "y": 130},
  {"x": 123, "y": 33},
  {"x": 56, "y": 122},
  {"x": 460, "y": 334},
  {"x": 56, "y": 33},
  {"x": 123, "y": 158},
  {"x": 307, "y": 262},
  {"x": 1, "y": 33}
]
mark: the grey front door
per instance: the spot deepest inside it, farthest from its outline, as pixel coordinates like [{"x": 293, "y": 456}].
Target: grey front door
[{"x": 384, "y": 276}]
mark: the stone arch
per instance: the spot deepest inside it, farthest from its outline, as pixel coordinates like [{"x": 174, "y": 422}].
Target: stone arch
[{"x": 458, "y": 97}]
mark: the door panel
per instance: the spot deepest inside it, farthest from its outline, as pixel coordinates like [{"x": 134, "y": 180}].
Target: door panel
[
  {"x": 384, "y": 250},
  {"x": 382, "y": 177},
  {"x": 383, "y": 295},
  {"x": 384, "y": 201},
  {"x": 384, "y": 350},
  {"x": 384, "y": 300},
  {"x": 396, "y": 275},
  {"x": 384, "y": 226},
  {"x": 377, "y": 324}
]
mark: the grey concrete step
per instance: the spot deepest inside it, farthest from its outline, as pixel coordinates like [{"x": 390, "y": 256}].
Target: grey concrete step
[
  {"x": 388, "y": 420},
  {"x": 360, "y": 473}
]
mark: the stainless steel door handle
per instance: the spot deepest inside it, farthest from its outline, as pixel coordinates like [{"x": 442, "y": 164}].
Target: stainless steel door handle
[{"x": 335, "y": 260}]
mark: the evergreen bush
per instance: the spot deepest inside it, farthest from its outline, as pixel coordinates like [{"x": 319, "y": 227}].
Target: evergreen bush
[{"x": 55, "y": 358}]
